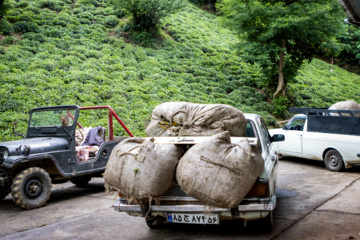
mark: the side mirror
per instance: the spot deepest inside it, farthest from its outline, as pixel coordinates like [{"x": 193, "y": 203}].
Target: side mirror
[
  {"x": 285, "y": 127},
  {"x": 278, "y": 138},
  {"x": 16, "y": 133}
]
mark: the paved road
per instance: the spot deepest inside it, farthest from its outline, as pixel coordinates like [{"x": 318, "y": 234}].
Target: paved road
[{"x": 313, "y": 203}]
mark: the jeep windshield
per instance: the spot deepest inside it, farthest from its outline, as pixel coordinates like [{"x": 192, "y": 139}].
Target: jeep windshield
[
  {"x": 53, "y": 121},
  {"x": 52, "y": 118}
]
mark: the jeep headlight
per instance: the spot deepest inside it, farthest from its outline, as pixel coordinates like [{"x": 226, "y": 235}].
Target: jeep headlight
[{"x": 5, "y": 154}]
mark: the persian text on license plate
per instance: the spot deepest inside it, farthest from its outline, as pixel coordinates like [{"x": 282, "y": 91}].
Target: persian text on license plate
[{"x": 193, "y": 218}]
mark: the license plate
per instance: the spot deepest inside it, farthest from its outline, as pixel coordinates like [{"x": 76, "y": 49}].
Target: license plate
[{"x": 193, "y": 218}]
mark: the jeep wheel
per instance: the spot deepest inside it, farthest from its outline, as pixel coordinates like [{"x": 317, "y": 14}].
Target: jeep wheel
[
  {"x": 81, "y": 181},
  {"x": 31, "y": 188},
  {"x": 3, "y": 194}
]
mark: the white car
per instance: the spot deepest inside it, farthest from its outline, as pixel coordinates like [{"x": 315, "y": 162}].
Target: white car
[{"x": 322, "y": 135}]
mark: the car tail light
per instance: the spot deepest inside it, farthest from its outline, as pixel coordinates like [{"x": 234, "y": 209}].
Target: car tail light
[{"x": 259, "y": 189}]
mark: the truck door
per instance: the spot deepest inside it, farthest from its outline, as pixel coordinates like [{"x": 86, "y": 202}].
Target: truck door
[{"x": 293, "y": 132}]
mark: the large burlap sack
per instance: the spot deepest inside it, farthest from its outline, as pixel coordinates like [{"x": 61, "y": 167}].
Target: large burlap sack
[
  {"x": 189, "y": 119},
  {"x": 345, "y": 105},
  {"x": 219, "y": 173},
  {"x": 162, "y": 123},
  {"x": 140, "y": 169}
]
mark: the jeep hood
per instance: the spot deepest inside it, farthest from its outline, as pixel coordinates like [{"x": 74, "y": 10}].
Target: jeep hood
[{"x": 37, "y": 145}]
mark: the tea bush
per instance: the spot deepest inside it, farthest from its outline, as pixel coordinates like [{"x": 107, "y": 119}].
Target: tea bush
[{"x": 84, "y": 52}]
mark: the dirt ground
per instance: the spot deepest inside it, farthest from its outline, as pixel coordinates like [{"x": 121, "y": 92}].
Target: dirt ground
[{"x": 313, "y": 203}]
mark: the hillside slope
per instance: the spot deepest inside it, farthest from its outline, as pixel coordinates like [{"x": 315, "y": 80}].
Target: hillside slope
[{"x": 63, "y": 52}]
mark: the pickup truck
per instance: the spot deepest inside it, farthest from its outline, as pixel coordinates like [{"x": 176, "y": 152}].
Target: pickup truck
[
  {"x": 332, "y": 136},
  {"x": 176, "y": 207}
]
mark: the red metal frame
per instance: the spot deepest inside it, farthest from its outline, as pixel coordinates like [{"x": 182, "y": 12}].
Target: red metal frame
[{"x": 111, "y": 115}]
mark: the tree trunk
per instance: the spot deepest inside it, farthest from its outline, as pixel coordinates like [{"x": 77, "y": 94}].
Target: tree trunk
[{"x": 281, "y": 82}]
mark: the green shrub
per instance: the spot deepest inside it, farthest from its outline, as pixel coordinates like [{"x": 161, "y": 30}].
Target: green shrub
[
  {"x": 51, "y": 4},
  {"x": 33, "y": 8},
  {"x": 39, "y": 37},
  {"x": 25, "y": 26},
  {"x": 147, "y": 14},
  {"x": 23, "y": 4},
  {"x": 280, "y": 107},
  {"x": 111, "y": 21},
  {"x": 8, "y": 41},
  {"x": 5, "y": 27}
]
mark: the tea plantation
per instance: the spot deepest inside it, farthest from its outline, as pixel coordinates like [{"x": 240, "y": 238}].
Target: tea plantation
[{"x": 57, "y": 52}]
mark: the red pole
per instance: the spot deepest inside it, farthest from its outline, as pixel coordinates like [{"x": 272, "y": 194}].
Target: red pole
[
  {"x": 121, "y": 123},
  {"x": 111, "y": 129},
  {"x": 111, "y": 114}
]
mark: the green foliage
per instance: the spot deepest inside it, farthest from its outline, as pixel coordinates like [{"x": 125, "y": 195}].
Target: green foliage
[
  {"x": 111, "y": 21},
  {"x": 5, "y": 5},
  {"x": 147, "y": 14},
  {"x": 5, "y": 27},
  {"x": 8, "y": 41},
  {"x": 25, "y": 26},
  {"x": 304, "y": 27},
  {"x": 350, "y": 55},
  {"x": 280, "y": 107},
  {"x": 320, "y": 85},
  {"x": 66, "y": 61}
]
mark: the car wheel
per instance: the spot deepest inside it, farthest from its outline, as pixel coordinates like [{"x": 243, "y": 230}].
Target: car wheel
[
  {"x": 333, "y": 161},
  {"x": 268, "y": 222},
  {"x": 31, "y": 188},
  {"x": 81, "y": 181},
  {"x": 154, "y": 222}
]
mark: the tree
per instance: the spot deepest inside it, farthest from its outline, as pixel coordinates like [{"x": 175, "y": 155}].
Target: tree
[
  {"x": 4, "y": 6},
  {"x": 147, "y": 14},
  {"x": 281, "y": 34}
]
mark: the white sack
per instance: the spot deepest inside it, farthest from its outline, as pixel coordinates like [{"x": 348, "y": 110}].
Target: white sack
[
  {"x": 140, "y": 169},
  {"x": 189, "y": 119},
  {"x": 345, "y": 105},
  {"x": 219, "y": 173}
]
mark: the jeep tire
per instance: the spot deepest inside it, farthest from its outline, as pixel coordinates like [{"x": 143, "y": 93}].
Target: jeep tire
[
  {"x": 31, "y": 188},
  {"x": 3, "y": 193},
  {"x": 81, "y": 181}
]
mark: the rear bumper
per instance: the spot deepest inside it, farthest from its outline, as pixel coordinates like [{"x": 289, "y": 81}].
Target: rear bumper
[{"x": 241, "y": 209}]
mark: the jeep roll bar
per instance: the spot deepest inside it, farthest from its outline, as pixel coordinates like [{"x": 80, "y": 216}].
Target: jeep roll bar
[{"x": 110, "y": 119}]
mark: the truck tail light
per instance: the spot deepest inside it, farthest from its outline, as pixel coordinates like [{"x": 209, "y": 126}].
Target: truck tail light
[{"x": 259, "y": 189}]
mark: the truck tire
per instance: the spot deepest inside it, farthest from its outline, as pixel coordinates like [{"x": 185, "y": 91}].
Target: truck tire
[
  {"x": 81, "y": 181},
  {"x": 31, "y": 188},
  {"x": 154, "y": 222},
  {"x": 267, "y": 223},
  {"x": 333, "y": 161}
]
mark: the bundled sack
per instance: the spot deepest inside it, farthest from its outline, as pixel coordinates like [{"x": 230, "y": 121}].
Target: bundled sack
[
  {"x": 345, "y": 105},
  {"x": 219, "y": 173},
  {"x": 140, "y": 169},
  {"x": 162, "y": 123},
  {"x": 189, "y": 119}
]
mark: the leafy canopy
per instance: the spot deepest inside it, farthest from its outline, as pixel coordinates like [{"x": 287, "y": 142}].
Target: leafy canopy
[
  {"x": 304, "y": 27},
  {"x": 4, "y": 6},
  {"x": 147, "y": 14}
]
